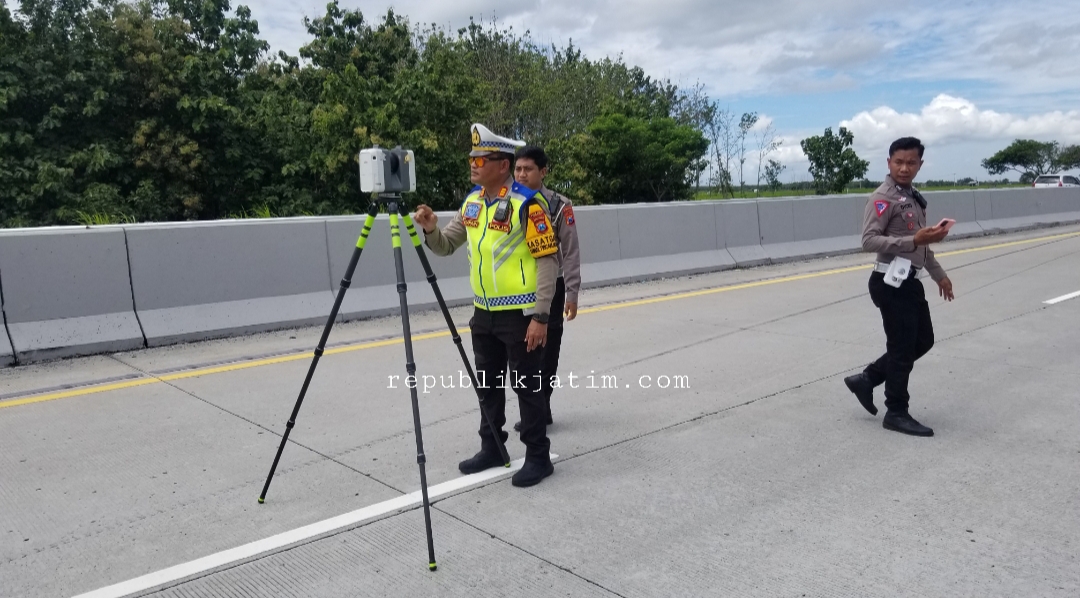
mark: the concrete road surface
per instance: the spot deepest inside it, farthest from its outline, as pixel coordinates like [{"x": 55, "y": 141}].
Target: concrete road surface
[{"x": 709, "y": 449}]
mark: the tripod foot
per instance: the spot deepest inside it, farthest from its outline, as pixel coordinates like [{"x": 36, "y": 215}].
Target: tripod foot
[
  {"x": 261, "y": 501},
  {"x": 432, "y": 566},
  {"x": 507, "y": 466}
]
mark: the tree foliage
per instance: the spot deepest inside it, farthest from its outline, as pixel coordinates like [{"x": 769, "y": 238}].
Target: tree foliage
[
  {"x": 157, "y": 110},
  {"x": 630, "y": 159},
  {"x": 833, "y": 163},
  {"x": 1068, "y": 158},
  {"x": 1028, "y": 156}
]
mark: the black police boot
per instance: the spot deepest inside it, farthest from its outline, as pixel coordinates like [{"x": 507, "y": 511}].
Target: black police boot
[
  {"x": 860, "y": 385},
  {"x": 534, "y": 470},
  {"x": 485, "y": 459},
  {"x": 905, "y": 424}
]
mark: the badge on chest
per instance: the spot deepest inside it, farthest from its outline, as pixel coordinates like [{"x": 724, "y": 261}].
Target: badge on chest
[{"x": 471, "y": 215}]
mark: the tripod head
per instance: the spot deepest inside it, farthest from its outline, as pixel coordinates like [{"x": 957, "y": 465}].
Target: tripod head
[{"x": 394, "y": 203}]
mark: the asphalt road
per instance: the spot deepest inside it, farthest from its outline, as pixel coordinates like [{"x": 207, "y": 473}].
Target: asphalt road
[{"x": 752, "y": 473}]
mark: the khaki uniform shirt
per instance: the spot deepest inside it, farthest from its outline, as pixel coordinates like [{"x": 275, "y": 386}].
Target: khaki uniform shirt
[
  {"x": 893, "y": 216},
  {"x": 453, "y": 235},
  {"x": 562, "y": 220}
]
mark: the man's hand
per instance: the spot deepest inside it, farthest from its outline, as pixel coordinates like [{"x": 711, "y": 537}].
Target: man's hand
[
  {"x": 426, "y": 218},
  {"x": 945, "y": 288},
  {"x": 536, "y": 336},
  {"x": 570, "y": 311},
  {"x": 928, "y": 235}
]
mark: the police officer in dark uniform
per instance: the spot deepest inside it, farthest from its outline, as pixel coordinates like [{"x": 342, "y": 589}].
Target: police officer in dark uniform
[
  {"x": 895, "y": 227},
  {"x": 530, "y": 170}
]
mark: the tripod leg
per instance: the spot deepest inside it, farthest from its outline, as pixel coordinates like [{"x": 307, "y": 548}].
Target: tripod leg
[
  {"x": 410, "y": 367},
  {"x": 453, "y": 331},
  {"x": 345, "y": 282}
]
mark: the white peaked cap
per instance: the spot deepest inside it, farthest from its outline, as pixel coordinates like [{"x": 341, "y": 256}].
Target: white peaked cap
[{"x": 485, "y": 142}]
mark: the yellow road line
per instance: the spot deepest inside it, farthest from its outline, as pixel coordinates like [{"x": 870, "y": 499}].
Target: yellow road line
[
  {"x": 1009, "y": 244},
  {"x": 77, "y": 392},
  {"x": 734, "y": 287}
]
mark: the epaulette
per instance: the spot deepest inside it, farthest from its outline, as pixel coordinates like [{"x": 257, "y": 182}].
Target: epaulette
[{"x": 524, "y": 191}]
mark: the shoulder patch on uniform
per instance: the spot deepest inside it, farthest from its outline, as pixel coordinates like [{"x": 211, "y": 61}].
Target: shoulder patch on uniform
[
  {"x": 538, "y": 234},
  {"x": 568, "y": 214},
  {"x": 880, "y": 207}
]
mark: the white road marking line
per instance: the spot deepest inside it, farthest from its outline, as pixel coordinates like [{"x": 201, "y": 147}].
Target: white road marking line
[
  {"x": 258, "y": 547},
  {"x": 1063, "y": 298}
]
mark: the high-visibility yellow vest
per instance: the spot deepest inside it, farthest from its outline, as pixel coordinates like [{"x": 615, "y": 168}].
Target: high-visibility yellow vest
[{"x": 502, "y": 254}]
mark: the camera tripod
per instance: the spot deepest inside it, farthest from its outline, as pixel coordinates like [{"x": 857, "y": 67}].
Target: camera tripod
[{"x": 396, "y": 208}]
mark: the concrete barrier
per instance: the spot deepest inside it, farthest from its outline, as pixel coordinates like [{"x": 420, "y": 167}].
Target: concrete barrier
[
  {"x": 958, "y": 205},
  {"x": 7, "y": 354},
  {"x": 67, "y": 292},
  {"x": 374, "y": 284},
  {"x": 195, "y": 281},
  {"x": 1017, "y": 209},
  {"x": 829, "y": 225},
  {"x": 599, "y": 246},
  {"x": 672, "y": 239},
  {"x": 74, "y": 291},
  {"x": 737, "y": 227},
  {"x": 982, "y": 207}
]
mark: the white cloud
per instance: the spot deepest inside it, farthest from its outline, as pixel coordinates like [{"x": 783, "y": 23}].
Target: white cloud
[
  {"x": 781, "y": 46},
  {"x": 1016, "y": 60},
  {"x": 948, "y": 120}
]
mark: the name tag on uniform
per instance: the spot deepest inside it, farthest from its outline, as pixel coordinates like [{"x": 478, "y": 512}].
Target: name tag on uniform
[{"x": 503, "y": 227}]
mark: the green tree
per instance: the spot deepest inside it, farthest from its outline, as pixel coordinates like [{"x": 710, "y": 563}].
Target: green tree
[
  {"x": 115, "y": 109},
  {"x": 833, "y": 163},
  {"x": 628, "y": 159},
  {"x": 1068, "y": 158},
  {"x": 773, "y": 169},
  {"x": 1025, "y": 157},
  {"x": 152, "y": 110}
]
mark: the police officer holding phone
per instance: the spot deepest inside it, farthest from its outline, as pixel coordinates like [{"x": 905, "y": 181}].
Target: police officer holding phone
[{"x": 895, "y": 227}]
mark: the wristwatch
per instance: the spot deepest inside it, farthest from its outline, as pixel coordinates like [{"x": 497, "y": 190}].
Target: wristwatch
[{"x": 542, "y": 318}]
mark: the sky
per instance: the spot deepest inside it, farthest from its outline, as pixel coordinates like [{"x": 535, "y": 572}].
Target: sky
[{"x": 965, "y": 77}]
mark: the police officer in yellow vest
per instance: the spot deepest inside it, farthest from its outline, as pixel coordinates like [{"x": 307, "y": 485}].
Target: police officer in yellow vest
[{"x": 513, "y": 266}]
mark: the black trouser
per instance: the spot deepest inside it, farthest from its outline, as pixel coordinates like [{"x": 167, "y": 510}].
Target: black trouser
[
  {"x": 909, "y": 334},
  {"x": 499, "y": 341},
  {"x": 554, "y": 342}
]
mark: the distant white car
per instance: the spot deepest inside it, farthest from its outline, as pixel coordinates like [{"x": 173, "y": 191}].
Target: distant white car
[{"x": 1056, "y": 180}]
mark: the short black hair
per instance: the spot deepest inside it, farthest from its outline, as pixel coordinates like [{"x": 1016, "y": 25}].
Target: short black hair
[
  {"x": 906, "y": 143},
  {"x": 535, "y": 154}
]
